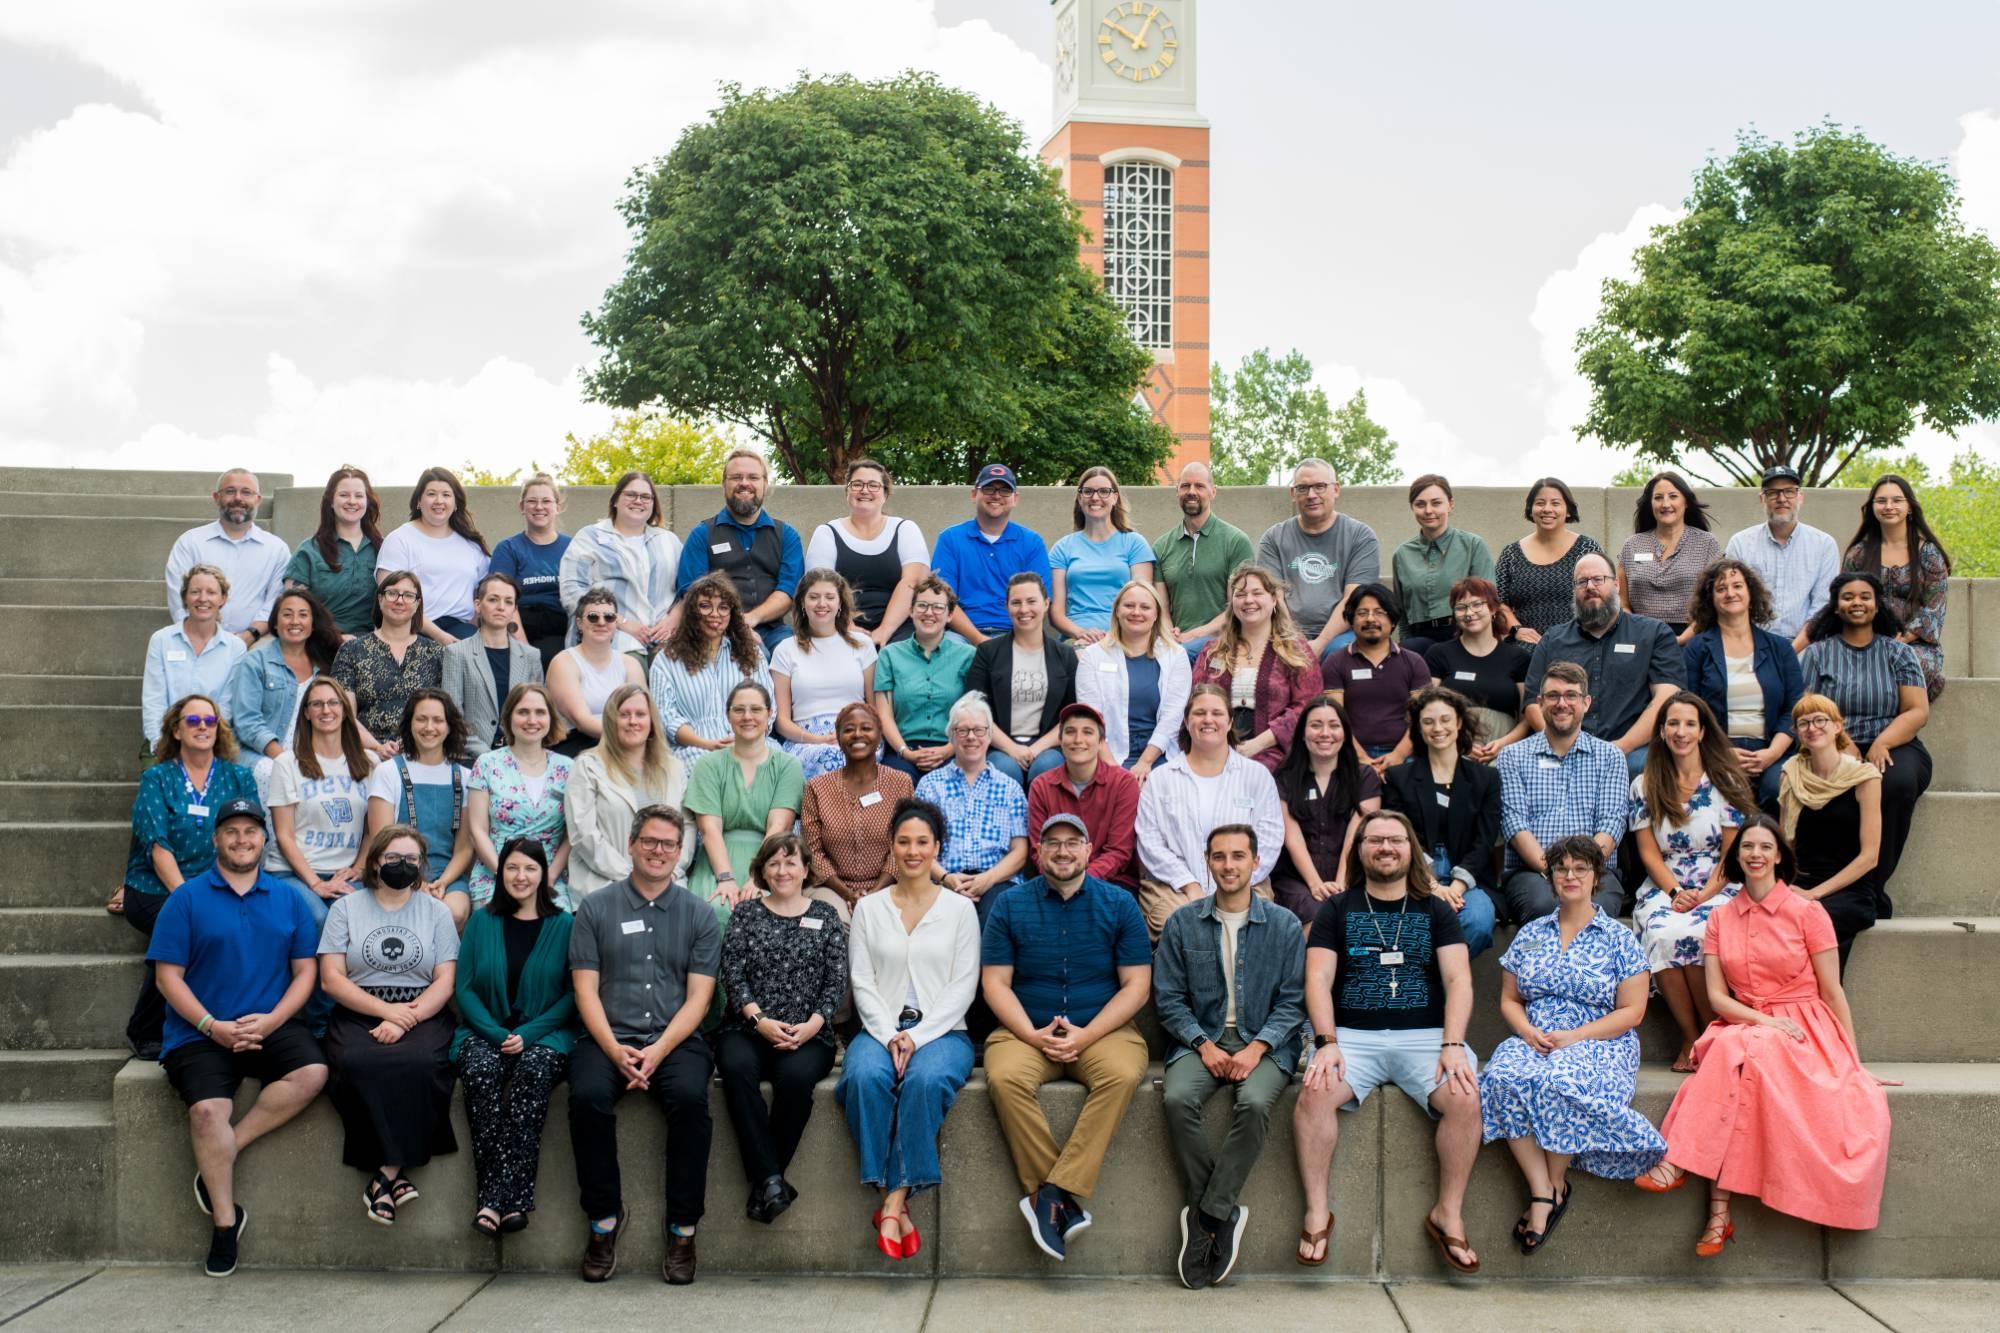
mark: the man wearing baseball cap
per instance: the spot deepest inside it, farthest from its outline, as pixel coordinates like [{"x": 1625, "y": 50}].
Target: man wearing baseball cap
[
  {"x": 1066, "y": 965},
  {"x": 1796, "y": 562},
  {"x": 233, "y": 953},
  {"x": 1098, "y": 792},
  {"x": 978, "y": 557}
]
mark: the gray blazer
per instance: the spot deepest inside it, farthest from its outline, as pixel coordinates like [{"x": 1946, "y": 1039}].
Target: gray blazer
[{"x": 468, "y": 679}]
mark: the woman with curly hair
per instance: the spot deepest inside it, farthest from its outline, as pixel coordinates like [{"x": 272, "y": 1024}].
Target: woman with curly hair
[{"x": 711, "y": 651}]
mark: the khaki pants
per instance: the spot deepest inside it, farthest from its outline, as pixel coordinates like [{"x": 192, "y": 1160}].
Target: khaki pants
[
  {"x": 1015, "y": 1072},
  {"x": 1159, "y": 901}
]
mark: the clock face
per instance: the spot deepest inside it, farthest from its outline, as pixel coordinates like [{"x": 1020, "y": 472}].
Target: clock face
[{"x": 1136, "y": 40}]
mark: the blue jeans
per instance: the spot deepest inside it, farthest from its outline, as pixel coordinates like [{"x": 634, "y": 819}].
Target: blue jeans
[
  {"x": 1340, "y": 640},
  {"x": 895, "y": 1123},
  {"x": 1635, "y": 762},
  {"x": 452, "y": 625},
  {"x": 1194, "y": 646},
  {"x": 1475, "y": 920},
  {"x": 983, "y": 904},
  {"x": 1046, "y": 760},
  {"x": 320, "y": 1007},
  {"x": 904, "y": 766}
]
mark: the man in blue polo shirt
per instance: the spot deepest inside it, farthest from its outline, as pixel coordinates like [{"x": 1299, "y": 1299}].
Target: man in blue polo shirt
[
  {"x": 978, "y": 556},
  {"x": 233, "y": 956},
  {"x": 1066, "y": 964},
  {"x": 762, "y": 555}
]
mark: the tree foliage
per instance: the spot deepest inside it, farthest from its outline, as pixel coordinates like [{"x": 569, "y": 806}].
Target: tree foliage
[
  {"x": 849, "y": 267},
  {"x": 1268, "y": 414},
  {"x": 671, "y": 451},
  {"x": 1818, "y": 299}
]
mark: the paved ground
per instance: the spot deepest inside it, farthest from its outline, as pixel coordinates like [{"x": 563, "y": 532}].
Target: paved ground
[{"x": 101, "y": 1298}]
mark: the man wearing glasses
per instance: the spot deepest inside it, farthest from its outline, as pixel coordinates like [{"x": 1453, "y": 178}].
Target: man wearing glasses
[
  {"x": 762, "y": 555},
  {"x": 253, "y": 559},
  {"x": 1561, "y": 782},
  {"x": 978, "y": 557},
  {"x": 1323, "y": 555},
  {"x": 1796, "y": 561},
  {"x": 1632, "y": 661}
]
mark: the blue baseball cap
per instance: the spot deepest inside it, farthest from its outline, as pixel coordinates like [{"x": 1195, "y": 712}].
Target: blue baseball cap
[
  {"x": 996, "y": 472},
  {"x": 240, "y": 808}
]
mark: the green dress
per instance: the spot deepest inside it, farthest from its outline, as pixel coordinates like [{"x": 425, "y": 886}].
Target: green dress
[{"x": 716, "y": 788}]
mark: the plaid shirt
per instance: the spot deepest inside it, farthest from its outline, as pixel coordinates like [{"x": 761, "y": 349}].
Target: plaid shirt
[
  {"x": 984, "y": 816},
  {"x": 1554, "y": 797}
]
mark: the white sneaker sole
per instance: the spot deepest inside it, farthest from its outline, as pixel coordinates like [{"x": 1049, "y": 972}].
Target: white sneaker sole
[
  {"x": 1179, "y": 1271},
  {"x": 1035, "y": 1229},
  {"x": 1235, "y": 1245}
]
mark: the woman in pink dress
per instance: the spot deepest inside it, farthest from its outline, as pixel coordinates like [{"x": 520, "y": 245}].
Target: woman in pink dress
[{"x": 1779, "y": 1106}]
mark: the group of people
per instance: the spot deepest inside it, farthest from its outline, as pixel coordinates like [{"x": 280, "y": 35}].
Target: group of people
[{"x": 1099, "y": 772}]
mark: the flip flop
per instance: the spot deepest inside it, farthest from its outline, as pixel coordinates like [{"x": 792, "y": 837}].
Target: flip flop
[
  {"x": 1311, "y": 1240},
  {"x": 1446, "y": 1244}
]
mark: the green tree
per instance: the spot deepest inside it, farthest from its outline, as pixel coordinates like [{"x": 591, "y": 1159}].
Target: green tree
[
  {"x": 1268, "y": 414},
  {"x": 670, "y": 451},
  {"x": 471, "y": 474},
  {"x": 850, "y": 267},
  {"x": 1817, "y": 300}
]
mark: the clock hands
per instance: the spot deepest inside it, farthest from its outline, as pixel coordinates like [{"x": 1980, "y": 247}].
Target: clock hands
[{"x": 1139, "y": 42}]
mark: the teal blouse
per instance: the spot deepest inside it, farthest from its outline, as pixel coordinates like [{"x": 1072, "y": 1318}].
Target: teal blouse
[
  {"x": 349, "y": 592},
  {"x": 481, "y": 988}
]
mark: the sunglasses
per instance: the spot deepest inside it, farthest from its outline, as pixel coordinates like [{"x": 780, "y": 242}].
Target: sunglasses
[
  {"x": 200, "y": 719},
  {"x": 600, "y": 618}
]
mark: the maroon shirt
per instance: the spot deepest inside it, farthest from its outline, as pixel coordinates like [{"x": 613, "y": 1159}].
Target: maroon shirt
[
  {"x": 1377, "y": 697},
  {"x": 1282, "y": 694},
  {"x": 1109, "y": 808}
]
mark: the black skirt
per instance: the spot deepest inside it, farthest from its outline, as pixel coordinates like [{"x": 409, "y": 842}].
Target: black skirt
[{"x": 394, "y": 1101}]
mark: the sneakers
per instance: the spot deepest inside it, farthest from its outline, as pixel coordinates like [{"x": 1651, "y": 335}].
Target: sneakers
[
  {"x": 1227, "y": 1243},
  {"x": 1075, "y": 1218},
  {"x": 222, "y": 1245},
  {"x": 1197, "y": 1261},
  {"x": 1046, "y": 1215},
  {"x": 600, "y": 1256}
]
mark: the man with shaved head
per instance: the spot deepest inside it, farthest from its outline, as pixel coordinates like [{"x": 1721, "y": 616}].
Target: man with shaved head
[
  {"x": 1633, "y": 661},
  {"x": 1193, "y": 559},
  {"x": 253, "y": 558}
]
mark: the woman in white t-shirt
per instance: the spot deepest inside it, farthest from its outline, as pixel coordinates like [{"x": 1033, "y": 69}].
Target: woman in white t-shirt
[
  {"x": 441, "y": 545},
  {"x": 317, "y": 797},
  {"x": 825, "y": 666},
  {"x": 881, "y": 558},
  {"x": 425, "y": 787}
]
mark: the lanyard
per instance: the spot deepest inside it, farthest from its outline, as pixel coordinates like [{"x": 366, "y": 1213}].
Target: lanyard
[
  {"x": 410, "y": 792},
  {"x": 197, "y": 799}
]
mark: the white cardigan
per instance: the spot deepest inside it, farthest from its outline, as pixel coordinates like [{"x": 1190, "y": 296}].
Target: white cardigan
[
  {"x": 1174, "y": 825},
  {"x": 941, "y": 958},
  {"x": 1103, "y": 682},
  {"x": 598, "y": 811}
]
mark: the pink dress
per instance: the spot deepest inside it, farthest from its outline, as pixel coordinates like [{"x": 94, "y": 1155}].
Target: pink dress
[{"x": 1798, "y": 1124}]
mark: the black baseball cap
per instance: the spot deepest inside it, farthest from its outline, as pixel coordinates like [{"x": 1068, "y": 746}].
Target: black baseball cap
[
  {"x": 240, "y": 808},
  {"x": 1781, "y": 472}
]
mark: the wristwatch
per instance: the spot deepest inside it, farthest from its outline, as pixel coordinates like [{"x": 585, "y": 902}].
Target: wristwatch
[{"x": 1322, "y": 1040}]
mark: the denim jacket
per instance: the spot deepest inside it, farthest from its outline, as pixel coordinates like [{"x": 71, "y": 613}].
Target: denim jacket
[
  {"x": 1270, "y": 979},
  {"x": 261, "y": 689}
]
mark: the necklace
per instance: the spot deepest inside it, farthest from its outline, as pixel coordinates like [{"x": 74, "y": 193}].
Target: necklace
[{"x": 1390, "y": 954}]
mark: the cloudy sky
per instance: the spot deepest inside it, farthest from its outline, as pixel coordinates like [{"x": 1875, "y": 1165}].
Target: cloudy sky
[{"x": 305, "y": 232}]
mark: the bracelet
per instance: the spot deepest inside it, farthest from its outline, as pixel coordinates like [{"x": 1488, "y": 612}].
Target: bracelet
[
  {"x": 1459, "y": 1044},
  {"x": 728, "y": 875},
  {"x": 207, "y": 1022}
]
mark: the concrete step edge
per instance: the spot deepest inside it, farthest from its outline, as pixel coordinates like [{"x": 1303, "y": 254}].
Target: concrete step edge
[{"x": 18, "y": 1116}]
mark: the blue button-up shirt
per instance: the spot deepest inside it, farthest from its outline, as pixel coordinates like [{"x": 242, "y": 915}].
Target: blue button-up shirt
[
  {"x": 1554, "y": 796},
  {"x": 984, "y": 815},
  {"x": 1065, "y": 952},
  {"x": 978, "y": 569},
  {"x": 1797, "y": 572},
  {"x": 695, "y": 554},
  {"x": 237, "y": 949}
]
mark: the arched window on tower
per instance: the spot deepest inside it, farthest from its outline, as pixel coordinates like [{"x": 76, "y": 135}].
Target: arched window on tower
[{"x": 1139, "y": 248}]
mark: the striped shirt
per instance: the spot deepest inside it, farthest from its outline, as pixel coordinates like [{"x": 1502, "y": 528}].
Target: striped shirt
[
  {"x": 1177, "y": 809},
  {"x": 698, "y": 699},
  {"x": 983, "y": 816},
  {"x": 1556, "y": 796},
  {"x": 1863, "y": 681},
  {"x": 1661, "y": 585},
  {"x": 1797, "y": 573}
]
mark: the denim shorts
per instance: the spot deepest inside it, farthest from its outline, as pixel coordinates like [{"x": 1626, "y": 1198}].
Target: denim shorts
[{"x": 1408, "y": 1059}]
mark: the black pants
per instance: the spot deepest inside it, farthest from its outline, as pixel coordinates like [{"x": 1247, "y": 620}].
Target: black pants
[
  {"x": 507, "y": 1101},
  {"x": 768, "y": 1136},
  {"x": 1908, "y": 778},
  {"x": 1852, "y": 910},
  {"x": 1419, "y": 636},
  {"x": 680, "y": 1088},
  {"x": 149, "y": 1011},
  {"x": 546, "y": 629}
]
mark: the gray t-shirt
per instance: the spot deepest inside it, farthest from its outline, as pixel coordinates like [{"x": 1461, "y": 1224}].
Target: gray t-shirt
[
  {"x": 643, "y": 953},
  {"x": 1318, "y": 567},
  {"x": 399, "y": 948}
]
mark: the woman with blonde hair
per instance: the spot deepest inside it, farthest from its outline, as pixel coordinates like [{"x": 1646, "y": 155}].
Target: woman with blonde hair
[
  {"x": 1138, "y": 678},
  {"x": 1089, "y": 566},
  {"x": 1264, "y": 664},
  {"x": 1830, "y": 811},
  {"x": 192, "y": 657},
  {"x": 533, "y": 558},
  {"x": 631, "y": 768}
]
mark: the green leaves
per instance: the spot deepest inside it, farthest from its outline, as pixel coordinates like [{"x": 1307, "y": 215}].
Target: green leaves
[{"x": 1268, "y": 414}]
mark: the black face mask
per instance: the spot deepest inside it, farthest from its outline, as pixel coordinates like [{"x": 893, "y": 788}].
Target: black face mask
[{"x": 399, "y": 874}]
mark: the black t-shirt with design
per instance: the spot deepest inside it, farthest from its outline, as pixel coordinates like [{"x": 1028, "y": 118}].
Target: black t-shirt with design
[{"x": 1386, "y": 997}]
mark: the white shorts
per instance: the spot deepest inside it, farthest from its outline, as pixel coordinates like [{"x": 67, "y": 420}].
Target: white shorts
[{"x": 1408, "y": 1059}]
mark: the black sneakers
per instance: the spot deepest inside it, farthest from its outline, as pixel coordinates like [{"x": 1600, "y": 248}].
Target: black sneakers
[
  {"x": 201, "y": 1196},
  {"x": 222, "y": 1245},
  {"x": 1197, "y": 1261},
  {"x": 1228, "y": 1242}
]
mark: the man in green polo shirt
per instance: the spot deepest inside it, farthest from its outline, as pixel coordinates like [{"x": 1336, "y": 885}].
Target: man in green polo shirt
[{"x": 1193, "y": 560}]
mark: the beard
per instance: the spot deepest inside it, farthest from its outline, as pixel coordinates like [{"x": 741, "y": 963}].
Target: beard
[
  {"x": 1595, "y": 618},
  {"x": 743, "y": 506}
]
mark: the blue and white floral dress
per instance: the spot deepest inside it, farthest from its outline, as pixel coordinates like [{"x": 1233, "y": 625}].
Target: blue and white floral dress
[
  {"x": 1691, "y": 851},
  {"x": 1577, "y": 1100}
]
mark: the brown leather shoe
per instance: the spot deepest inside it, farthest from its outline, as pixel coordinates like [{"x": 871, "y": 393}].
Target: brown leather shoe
[
  {"x": 600, "y": 1257},
  {"x": 678, "y": 1267}
]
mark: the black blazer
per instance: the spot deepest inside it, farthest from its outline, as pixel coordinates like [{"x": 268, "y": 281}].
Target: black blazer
[
  {"x": 1469, "y": 830},
  {"x": 992, "y": 674}
]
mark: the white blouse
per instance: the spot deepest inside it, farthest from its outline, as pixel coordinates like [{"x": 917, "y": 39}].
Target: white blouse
[{"x": 939, "y": 961}]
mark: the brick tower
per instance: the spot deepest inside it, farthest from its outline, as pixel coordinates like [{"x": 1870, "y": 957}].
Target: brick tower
[{"x": 1133, "y": 153}]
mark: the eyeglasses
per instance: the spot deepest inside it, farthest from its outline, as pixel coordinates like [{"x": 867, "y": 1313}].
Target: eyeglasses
[
  {"x": 399, "y": 859},
  {"x": 865, "y": 487},
  {"x": 1396, "y": 840},
  {"x": 321, "y": 705},
  {"x": 1566, "y": 697},
  {"x": 971, "y": 733},
  {"x": 930, "y": 608},
  {"x": 1813, "y": 722},
  {"x": 1097, "y": 492},
  {"x": 1063, "y": 844},
  {"x": 200, "y": 719},
  {"x": 1782, "y": 493},
  {"x": 1468, "y": 608},
  {"x": 398, "y": 595},
  {"x": 1595, "y": 580},
  {"x": 1312, "y": 488},
  {"x": 659, "y": 844},
  {"x": 600, "y": 618}
]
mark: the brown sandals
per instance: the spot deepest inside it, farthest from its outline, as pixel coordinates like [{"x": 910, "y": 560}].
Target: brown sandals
[
  {"x": 1446, "y": 1244},
  {"x": 1314, "y": 1240}
]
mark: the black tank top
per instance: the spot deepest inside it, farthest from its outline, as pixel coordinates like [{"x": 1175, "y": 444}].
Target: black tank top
[{"x": 873, "y": 577}]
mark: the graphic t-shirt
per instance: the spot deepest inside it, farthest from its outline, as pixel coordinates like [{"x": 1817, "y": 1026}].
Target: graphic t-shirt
[
  {"x": 399, "y": 948},
  {"x": 1318, "y": 566},
  {"x": 1368, "y": 993},
  {"x": 329, "y": 813}
]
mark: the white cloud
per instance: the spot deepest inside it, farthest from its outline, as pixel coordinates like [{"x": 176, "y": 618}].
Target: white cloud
[{"x": 1976, "y": 163}]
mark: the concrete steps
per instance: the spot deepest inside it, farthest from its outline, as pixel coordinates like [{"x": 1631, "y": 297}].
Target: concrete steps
[
  {"x": 67, "y": 930},
  {"x": 124, "y": 482},
  {"x": 59, "y": 1076},
  {"x": 78, "y": 691},
  {"x": 84, "y": 742},
  {"x": 56, "y": 1157},
  {"x": 191, "y": 509},
  {"x": 62, "y": 865},
  {"x": 85, "y": 592},
  {"x": 55, "y": 802},
  {"x": 66, "y": 1001},
  {"x": 77, "y": 641}
]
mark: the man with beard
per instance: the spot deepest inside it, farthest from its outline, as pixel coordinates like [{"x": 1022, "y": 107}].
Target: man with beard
[
  {"x": 1795, "y": 560},
  {"x": 763, "y": 556},
  {"x": 1560, "y": 783},
  {"x": 1375, "y": 679},
  {"x": 980, "y": 557},
  {"x": 1388, "y": 993},
  {"x": 1632, "y": 660},
  {"x": 1192, "y": 561},
  {"x": 253, "y": 559}
]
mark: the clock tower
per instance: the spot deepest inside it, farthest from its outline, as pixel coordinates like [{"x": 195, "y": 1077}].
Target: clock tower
[{"x": 1133, "y": 153}]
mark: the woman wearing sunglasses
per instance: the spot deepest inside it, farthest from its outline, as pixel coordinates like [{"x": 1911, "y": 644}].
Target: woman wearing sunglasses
[{"x": 582, "y": 677}]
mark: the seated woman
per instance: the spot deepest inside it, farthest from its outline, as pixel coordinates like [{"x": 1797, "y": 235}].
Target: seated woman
[
  {"x": 583, "y": 676},
  {"x": 631, "y": 768},
  {"x": 1426, "y": 568},
  {"x": 1265, "y": 667},
  {"x": 316, "y": 795},
  {"x": 1667, "y": 553},
  {"x": 1877, "y": 683},
  {"x": 1137, "y": 677},
  {"x": 193, "y": 775},
  {"x": 1559, "y": 1090},
  {"x": 265, "y": 684},
  {"x": 337, "y": 563},
  {"x": 517, "y": 792},
  {"x": 986, "y": 811},
  {"x": 532, "y": 558},
  {"x": 913, "y": 965},
  {"x": 1686, "y": 808},
  {"x": 1484, "y": 664},
  {"x": 1090, "y": 565},
  {"x": 388, "y": 959},
  {"x": 1535, "y": 575},
  {"x": 845, "y": 815},
  {"x": 825, "y": 665},
  {"x": 1326, "y": 791},
  {"x": 193, "y": 657},
  {"x": 917, "y": 678},
  {"x": 632, "y": 554},
  {"x": 517, "y": 1026},
  {"x": 1029, "y": 677},
  {"x": 1748, "y": 676},
  {"x": 1454, "y": 802},
  {"x": 441, "y": 545},
  {"x": 1895, "y": 544},
  {"x": 424, "y": 786},
  {"x": 784, "y": 973},
  {"x": 883, "y": 559},
  {"x": 1783, "y": 1058},
  {"x": 381, "y": 668},
  {"x": 1830, "y": 811},
  {"x": 740, "y": 796},
  {"x": 712, "y": 651}
]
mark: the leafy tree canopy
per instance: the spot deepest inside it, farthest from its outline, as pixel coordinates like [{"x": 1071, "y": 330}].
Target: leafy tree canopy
[
  {"x": 1268, "y": 414},
  {"x": 882, "y": 268},
  {"x": 670, "y": 451},
  {"x": 1818, "y": 299}
]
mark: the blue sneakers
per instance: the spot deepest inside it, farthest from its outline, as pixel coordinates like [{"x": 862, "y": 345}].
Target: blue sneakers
[{"x": 1048, "y": 1221}]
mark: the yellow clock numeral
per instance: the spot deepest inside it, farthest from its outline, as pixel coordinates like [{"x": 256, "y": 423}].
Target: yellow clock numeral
[
  {"x": 1103, "y": 39},
  {"x": 1110, "y": 58},
  {"x": 1155, "y": 70},
  {"x": 1169, "y": 42},
  {"x": 1166, "y": 62}
]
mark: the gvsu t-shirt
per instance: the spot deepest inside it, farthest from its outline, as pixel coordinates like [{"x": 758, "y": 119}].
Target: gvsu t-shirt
[{"x": 1362, "y": 932}]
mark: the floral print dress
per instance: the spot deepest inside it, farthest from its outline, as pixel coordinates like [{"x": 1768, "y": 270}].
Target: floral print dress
[
  {"x": 1922, "y": 616},
  {"x": 1691, "y": 851},
  {"x": 515, "y": 810}
]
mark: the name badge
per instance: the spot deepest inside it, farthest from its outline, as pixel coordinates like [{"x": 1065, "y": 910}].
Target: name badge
[
  {"x": 177, "y": 655},
  {"x": 872, "y": 798},
  {"x": 631, "y": 927},
  {"x": 720, "y": 548},
  {"x": 198, "y": 811},
  {"x": 1107, "y": 666},
  {"x": 1642, "y": 559},
  {"x": 1443, "y": 799},
  {"x": 1362, "y": 673},
  {"x": 1392, "y": 958},
  {"x": 811, "y": 922},
  {"x": 1626, "y": 648},
  {"x": 1312, "y": 793},
  {"x": 1465, "y": 675},
  {"x": 1550, "y": 761},
  {"x": 1243, "y": 803}
]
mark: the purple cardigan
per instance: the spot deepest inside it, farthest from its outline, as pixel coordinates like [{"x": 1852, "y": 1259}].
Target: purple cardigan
[{"x": 1282, "y": 693}]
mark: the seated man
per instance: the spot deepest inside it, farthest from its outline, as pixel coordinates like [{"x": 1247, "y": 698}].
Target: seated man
[
  {"x": 1561, "y": 782},
  {"x": 1389, "y": 993},
  {"x": 1375, "y": 678},
  {"x": 1100, "y": 793},
  {"x": 985, "y": 811},
  {"x": 233, "y": 956},
  {"x": 1065, "y": 967},
  {"x": 1228, "y": 965},
  {"x": 643, "y": 960},
  {"x": 1632, "y": 661}
]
